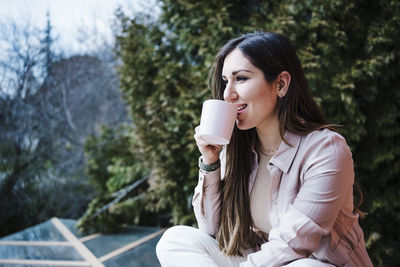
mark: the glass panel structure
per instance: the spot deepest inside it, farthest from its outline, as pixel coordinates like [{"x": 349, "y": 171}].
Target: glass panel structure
[
  {"x": 107, "y": 243},
  {"x": 70, "y": 224},
  {"x": 57, "y": 243},
  {"x": 42, "y": 232},
  {"x": 39, "y": 252},
  {"x": 142, "y": 256}
]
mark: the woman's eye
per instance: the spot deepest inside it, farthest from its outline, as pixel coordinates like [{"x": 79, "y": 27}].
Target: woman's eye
[{"x": 241, "y": 78}]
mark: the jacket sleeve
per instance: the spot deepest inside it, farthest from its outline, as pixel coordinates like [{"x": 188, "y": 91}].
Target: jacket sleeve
[
  {"x": 326, "y": 181},
  {"x": 206, "y": 199}
]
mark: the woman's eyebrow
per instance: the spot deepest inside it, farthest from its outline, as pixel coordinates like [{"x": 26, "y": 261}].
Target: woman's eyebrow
[{"x": 237, "y": 71}]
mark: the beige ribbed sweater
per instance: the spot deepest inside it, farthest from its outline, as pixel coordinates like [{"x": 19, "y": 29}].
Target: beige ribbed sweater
[{"x": 259, "y": 195}]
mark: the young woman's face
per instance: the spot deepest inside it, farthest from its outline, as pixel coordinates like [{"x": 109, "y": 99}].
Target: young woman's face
[{"x": 247, "y": 88}]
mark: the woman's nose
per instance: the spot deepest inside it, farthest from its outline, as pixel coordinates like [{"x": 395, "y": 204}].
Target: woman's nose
[{"x": 230, "y": 94}]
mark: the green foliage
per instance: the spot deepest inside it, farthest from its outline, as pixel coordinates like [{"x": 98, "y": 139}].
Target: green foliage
[
  {"x": 101, "y": 154},
  {"x": 113, "y": 162},
  {"x": 350, "y": 59},
  {"x": 160, "y": 85},
  {"x": 104, "y": 222}
]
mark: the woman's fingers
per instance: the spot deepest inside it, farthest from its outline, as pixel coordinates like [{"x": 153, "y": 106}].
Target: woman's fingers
[
  {"x": 202, "y": 142},
  {"x": 218, "y": 147},
  {"x": 209, "y": 151},
  {"x": 199, "y": 140},
  {"x": 196, "y": 134}
]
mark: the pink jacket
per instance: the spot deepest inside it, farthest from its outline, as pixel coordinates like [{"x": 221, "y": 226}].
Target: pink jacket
[{"x": 311, "y": 203}]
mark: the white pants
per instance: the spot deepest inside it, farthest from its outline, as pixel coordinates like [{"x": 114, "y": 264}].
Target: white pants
[{"x": 188, "y": 246}]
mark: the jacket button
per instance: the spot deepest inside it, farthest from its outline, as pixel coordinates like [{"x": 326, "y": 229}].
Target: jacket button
[{"x": 271, "y": 164}]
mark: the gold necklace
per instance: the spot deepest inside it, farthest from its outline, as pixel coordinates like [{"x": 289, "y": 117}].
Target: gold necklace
[{"x": 269, "y": 152}]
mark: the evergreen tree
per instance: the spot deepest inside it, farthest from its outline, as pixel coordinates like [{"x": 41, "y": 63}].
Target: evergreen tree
[{"x": 48, "y": 41}]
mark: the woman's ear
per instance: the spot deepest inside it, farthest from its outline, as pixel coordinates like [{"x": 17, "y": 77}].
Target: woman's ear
[{"x": 283, "y": 82}]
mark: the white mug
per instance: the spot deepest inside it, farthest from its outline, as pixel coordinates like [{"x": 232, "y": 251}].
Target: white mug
[{"x": 217, "y": 121}]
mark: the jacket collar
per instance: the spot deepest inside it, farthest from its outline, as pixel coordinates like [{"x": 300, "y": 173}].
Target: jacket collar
[{"x": 283, "y": 159}]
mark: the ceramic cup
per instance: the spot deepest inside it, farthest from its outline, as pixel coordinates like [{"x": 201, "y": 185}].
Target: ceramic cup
[{"x": 217, "y": 121}]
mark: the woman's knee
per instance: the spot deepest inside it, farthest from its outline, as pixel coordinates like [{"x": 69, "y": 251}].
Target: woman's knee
[
  {"x": 166, "y": 238},
  {"x": 173, "y": 238},
  {"x": 174, "y": 233}
]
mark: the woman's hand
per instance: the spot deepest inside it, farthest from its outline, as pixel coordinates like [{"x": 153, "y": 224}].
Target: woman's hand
[{"x": 210, "y": 152}]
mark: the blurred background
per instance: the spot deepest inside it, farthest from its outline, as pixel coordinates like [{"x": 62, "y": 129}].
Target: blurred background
[{"x": 99, "y": 101}]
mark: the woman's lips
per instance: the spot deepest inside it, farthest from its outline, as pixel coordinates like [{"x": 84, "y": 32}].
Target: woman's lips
[{"x": 241, "y": 108}]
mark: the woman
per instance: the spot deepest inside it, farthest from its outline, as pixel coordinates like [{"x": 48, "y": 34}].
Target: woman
[{"x": 282, "y": 193}]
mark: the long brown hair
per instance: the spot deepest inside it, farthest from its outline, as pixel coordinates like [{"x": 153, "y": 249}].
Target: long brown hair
[{"x": 297, "y": 113}]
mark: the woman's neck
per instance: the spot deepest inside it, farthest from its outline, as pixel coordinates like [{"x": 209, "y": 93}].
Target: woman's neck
[{"x": 269, "y": 136}]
